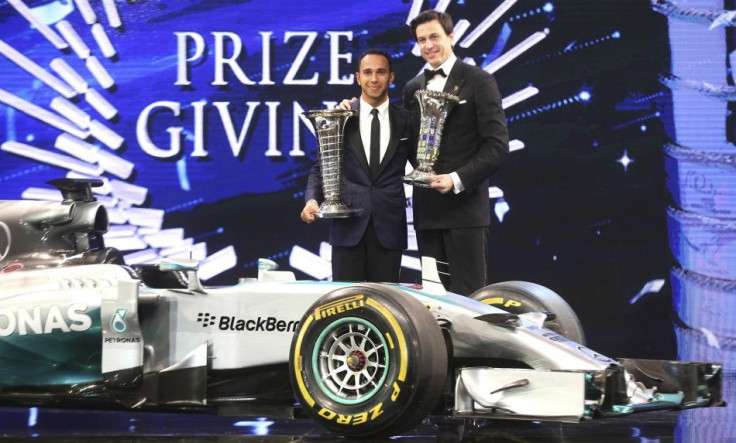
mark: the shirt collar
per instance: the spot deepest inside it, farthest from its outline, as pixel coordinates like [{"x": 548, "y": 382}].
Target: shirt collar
[
  {"x": 366, "y": 108},
  {"x": 448, "y": 64}
]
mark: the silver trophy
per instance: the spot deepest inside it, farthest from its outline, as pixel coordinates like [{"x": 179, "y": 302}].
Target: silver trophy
[
  {"x": 329, "y": 126},
  {"x": 434, "y": 107}
]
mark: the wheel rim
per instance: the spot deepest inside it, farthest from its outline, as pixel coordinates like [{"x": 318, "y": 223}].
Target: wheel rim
[{"x": 350, "y": 360}]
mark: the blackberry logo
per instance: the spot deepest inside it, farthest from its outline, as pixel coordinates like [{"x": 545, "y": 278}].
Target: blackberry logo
[
  {"x": 206, "y": 319},
  {"x": 259, "y": 324}
]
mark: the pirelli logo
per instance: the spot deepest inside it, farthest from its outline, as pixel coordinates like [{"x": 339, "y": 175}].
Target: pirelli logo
[{"x": 339, "y": 306}]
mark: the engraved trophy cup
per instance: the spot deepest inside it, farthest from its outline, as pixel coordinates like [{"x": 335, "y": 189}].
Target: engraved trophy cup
[
  {"x": 329, "y": 126},
  {"x": 434, "y": 107}
]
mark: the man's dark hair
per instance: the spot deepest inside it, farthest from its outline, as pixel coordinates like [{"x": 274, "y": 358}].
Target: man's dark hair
[
  {"x": 430, "y": 15},
  {"x": 374, "y": 51}
]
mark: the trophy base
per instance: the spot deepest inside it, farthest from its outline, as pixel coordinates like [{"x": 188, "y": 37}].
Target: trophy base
[
  {"x": 336, "y": 210},
  {"x": 419, "y": 179}
]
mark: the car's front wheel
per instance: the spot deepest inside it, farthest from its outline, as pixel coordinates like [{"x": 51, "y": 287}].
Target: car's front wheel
[
  {"x": 368, "y": 360},
  {"x": 519, "y": 297}
]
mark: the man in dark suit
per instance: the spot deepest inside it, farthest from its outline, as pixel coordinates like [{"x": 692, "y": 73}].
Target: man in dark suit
[
  {"x": 451, "y": 219},
  {"x": 378, "y": 142}
]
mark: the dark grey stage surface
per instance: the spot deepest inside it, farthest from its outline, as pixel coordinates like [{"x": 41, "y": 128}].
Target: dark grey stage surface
[
  {"x": 26, "y": 424},
  {"x": 23, "y": 424},
  {"x": 707, "y": 425}
]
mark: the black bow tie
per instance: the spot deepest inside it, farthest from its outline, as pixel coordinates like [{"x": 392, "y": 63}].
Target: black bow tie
[{"x": 430, "y": 73}]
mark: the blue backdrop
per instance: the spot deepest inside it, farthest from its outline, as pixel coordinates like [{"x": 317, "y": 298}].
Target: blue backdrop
[{"x": 617, "y": 196}]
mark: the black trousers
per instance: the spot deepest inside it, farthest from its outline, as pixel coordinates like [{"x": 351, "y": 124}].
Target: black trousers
[
  {"x": 366, "y": 261},
  {"x": 465, "y": 250}
]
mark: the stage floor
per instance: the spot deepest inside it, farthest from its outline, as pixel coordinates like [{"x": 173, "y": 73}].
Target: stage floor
[{"x": 709, "y": 425}]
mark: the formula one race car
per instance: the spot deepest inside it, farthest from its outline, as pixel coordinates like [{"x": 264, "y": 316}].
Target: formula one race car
[{"x": 79, "y": 325}]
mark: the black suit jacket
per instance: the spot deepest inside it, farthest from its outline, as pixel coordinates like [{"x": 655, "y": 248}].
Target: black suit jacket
[
  {"x": 475, "y": 142},
  {"x": 382, "y": 198}
]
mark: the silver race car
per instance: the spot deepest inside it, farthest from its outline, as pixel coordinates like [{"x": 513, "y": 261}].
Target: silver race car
[{"x": 79, "y": 325}]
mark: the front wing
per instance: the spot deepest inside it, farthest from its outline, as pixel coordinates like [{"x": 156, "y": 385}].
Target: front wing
[{"x": 569, "y": 395}]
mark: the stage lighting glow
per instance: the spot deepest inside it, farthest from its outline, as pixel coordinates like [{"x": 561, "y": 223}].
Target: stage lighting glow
[
  {"x": 519, "y": 96},
  {"x": 545, "y": 108},
  {"x": 103, "y": 40},
  {"x": 515, "y": 145},
  {"x": 75, "y": 41},
  {"x": 625, "y": 160},
  {"x": 259, "y": 426},
  {"x": 71, "y": 112},
  {"x": 87, "y": 12},
  {"x": 35, "y": 18},
  {"x": 650, "y": 287},
  {"x": 101, "y": 132},
  {"x": 111, "y": 11},
  {"x": 35, "y": 70},
  {"x": 650, "y": 116},
  {"x": 516, "y": 51},
  {"x": 501, "y": 208},
  {"x": 487, "y": 23},
  {"x": 51, "y": 158},
  {"x": 100, "y": 104},
  {"x": 32, "y": 417},
  {"x": 314, "y": 265}
]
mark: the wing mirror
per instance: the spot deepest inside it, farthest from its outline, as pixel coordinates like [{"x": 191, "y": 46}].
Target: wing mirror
[{"x": 188, "y": 265}]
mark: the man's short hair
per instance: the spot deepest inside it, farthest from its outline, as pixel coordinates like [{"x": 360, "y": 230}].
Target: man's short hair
[
  {"x": 430, "y": 15},
  {"x": 375, "y": 51}
]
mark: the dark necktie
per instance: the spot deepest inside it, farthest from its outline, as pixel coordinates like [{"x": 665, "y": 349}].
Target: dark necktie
[
  {"x": 430, "y": 73},
  {"x": 375, "y": 143}
]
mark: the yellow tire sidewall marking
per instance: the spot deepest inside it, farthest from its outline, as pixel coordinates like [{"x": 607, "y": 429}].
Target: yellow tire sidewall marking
[
  {"x": 400, "y": 339},
  {"x": 298, "y": 362}
]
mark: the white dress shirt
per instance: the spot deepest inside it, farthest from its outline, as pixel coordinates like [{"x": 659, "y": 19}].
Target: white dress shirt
[
  {"x": 438, "y": 82},
  {"x": 365, "y": 127}
]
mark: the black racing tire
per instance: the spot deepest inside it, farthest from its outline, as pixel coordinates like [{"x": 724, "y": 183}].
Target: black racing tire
[
  {"x": 368, "y": 360},
  {"x": 519, "y": 297}
]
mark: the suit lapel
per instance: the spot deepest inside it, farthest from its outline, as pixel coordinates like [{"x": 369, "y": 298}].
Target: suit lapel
[
  {"x": 352, "y": 130},
  {"x": 455, "y": 80},
  {"x": 422, "y": 81},
  {"x": 397, "y": 128},
  {"x": 353, "y": 133}
]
